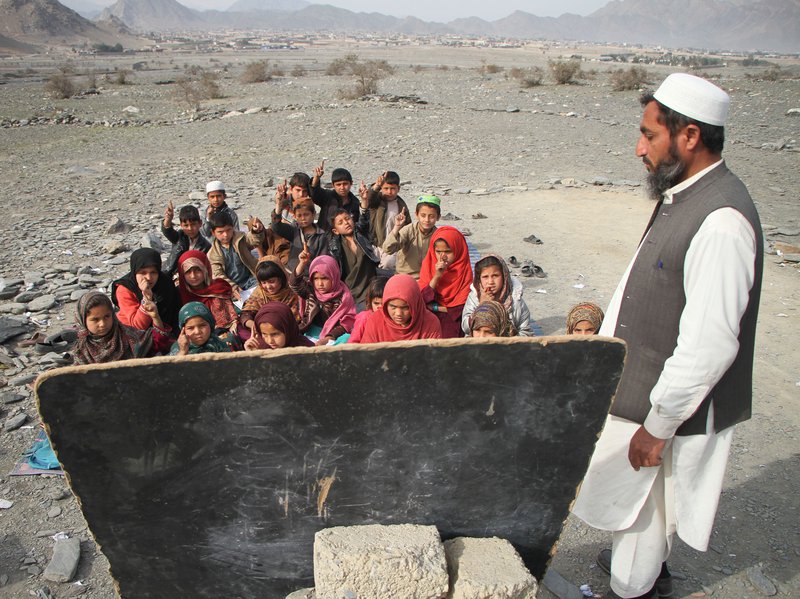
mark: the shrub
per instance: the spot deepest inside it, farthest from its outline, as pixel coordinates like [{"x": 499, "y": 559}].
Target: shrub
[
  {"x": 299, "y": 71},
  {"x": 256, "y": 72},
  {"x": 340, "y": 66},
  {"x": 774, "y": 73},
  {"x": 277, "y": 71},
  {"x": 491, "y": 69},
  {"x": 633, "y": 78},
  {"x": 530, "y": 77},
  {"x": 120, "y": 76},
  {"x": 59, "y": 86},
  {"x": 367, "y": 74},
  {"x": 91, "y": 80},
  {"x": 193, "y": 88},
  {"x": 564, "y": 71}
]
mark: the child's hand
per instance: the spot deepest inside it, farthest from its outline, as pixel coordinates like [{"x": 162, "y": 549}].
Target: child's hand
[
  {"x": 169, "y": 214},
  {"x": 379, "y": 181},
  {"x": 251, "y": 324},
  {"x": 400, "y": 219},
  {"x": 305, "y": 255},
  {"x": 320, "y": 170},
  {"x": 236, "y": 293},
  {"x": 147, "y": 293},
  {"x": 363, "y": 192},
  {"x": 323, "y": 341},
  {"x": 281, "y": 191},
  {"x": 183, "y": 343},
  {"x": 210, "y": 211},
  {"x": 255, "y": 224},
  {"x": 251, "y": 344},
  {"x": 441, "y": 265}
]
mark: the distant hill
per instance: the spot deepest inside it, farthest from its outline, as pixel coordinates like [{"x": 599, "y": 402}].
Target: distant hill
[
  {"x": 85, "y": 8},
  {"x": 262, "y": 5},
  {"x": 154, "y": 15}
]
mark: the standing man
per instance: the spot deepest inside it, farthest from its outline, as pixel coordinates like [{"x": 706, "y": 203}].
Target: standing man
[{"x": 687, "y": 308}]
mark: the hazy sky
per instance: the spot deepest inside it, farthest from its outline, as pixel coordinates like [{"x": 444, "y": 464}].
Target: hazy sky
[{"x": 444, "y": 10}]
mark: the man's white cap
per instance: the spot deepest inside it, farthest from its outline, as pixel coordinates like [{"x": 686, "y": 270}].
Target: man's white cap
[
  {"x": 695, "y": 98},
  {"x": 214, "y": 186}
]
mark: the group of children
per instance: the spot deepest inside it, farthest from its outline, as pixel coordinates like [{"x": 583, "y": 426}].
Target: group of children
[{"x": 330, "y": 268}]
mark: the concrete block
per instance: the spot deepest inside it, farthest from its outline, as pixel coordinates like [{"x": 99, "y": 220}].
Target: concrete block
[
  {"x": 375, "y": 561},
  {"x": 66, "y": 554},
  {"x": 487, "y": 568}
]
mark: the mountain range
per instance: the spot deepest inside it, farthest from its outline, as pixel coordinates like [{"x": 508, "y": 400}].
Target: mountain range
[{"x": 743, "y": 25}]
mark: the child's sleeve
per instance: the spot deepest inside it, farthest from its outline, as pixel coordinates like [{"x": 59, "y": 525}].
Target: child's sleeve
[
  {"x": 217, "y": 261},
  {"x": 171, "y": 234},
  {"x": 205, "y": 229},
  {"x": 317, "y": 193},
  {"x": 469, "y": 308},
  {"x": 255, "y": 240},
  {"x": 284, "y": 230},
  {"x": 235, "y": 219},
  {"x": 521, "y": 315},
  {"x": 299, "y": 285},
  {"x": 362, "y": 226},
  {"x": 130, "y": 310},
  {"x": 373, "y": 197}
]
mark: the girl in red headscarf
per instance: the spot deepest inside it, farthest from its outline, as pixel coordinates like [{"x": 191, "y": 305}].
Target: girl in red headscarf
[
  {"x": 445, "y": 279},
  {"x": 195, "y": 285},
  {"x": 403, "y": 316}
]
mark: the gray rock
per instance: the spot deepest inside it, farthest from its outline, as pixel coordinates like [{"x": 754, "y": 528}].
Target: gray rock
[
  {"x": 9, "y": 398},
  {"x": 13, "y": 308},
  {"x": 119, "y": 259},
  {"x": 118, "y": 227},
  {"x": 78, "y": 294},
  {"x": 44, "y": 302},
  {"x": 254, "y": 110},
  {"x": 600, "y": 181},
  {"x": 197, "y": 196},
  {"x": 8, "y": 293},
  {"x": 763, "y": 584},
  {"x": 64, "y": 564},
  {"x": 154, "y": 239},
  {"x": 77, "y": 229},
  {"x": 787, "y": 232},
  {"x": 54, "y": 512},
  {"x": 15, "y": 422},
  {"x": 10, "y": 283},
  {"x": 512, "y": 109},
  {"x": 28, "y": 296},
  {"x": 22, "y": 379},
  {"x": 33, "y": 278},
  {"x": 462, "y": 190},
  {"x": 114, "y": 246},
  {"x": 302, "y": 594},
  {"x": 793, "y": 112}
]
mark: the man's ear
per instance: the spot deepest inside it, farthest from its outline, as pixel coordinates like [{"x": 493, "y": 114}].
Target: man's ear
[{"x": 692, "y": 134}]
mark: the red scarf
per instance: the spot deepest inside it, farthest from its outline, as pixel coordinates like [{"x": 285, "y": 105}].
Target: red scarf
[
  {"x": 423, "y": 323},
  {"x": 454, "y": 285},
  {"x": 216, "y": 294}
]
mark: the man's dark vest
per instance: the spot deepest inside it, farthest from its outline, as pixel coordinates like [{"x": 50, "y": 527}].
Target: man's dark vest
[{"x": 654, "y": 299}]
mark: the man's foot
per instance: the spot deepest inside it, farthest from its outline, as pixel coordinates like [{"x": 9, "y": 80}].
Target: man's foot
[{"x": 663, "y": 584}]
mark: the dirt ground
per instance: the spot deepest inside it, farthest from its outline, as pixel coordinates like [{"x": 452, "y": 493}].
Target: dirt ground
[{"x": 554, "y": 161}]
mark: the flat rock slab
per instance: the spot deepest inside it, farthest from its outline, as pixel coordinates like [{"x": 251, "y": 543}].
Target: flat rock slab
[
  {"x": 64, "y": 564},
  {"x": 375, "y": 561},
  {"x": 220, "y": 483},
  {"x": 487, "y": 568}
]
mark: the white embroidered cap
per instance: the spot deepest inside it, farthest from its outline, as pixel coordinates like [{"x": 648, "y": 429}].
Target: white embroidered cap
[
  {"x": 214, "y": 186},
  {"x": 695, "y": 98}
]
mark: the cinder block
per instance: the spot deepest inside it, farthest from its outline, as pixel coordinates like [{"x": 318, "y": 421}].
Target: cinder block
[
  {"x": 491, "y": 567},
  {"x": 375, "y": 561}
]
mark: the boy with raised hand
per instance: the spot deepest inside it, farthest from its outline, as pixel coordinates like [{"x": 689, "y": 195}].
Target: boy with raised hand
[
  {"x": 185, "y": 239},
  {"x": 410, "y": 241},
  {"x": 215, "y": 192},
  {"x": 384, "y": 205},
  {"x": 330, "y": 200},
  {"x": 351, "y": 248},
  {"x": 230, "y": 255}
]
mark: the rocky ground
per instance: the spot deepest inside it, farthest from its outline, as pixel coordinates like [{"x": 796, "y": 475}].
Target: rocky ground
[{"x": 86, "y": 181}]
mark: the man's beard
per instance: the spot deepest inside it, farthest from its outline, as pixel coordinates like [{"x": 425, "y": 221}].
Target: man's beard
[{"x": 667, "y": 174}]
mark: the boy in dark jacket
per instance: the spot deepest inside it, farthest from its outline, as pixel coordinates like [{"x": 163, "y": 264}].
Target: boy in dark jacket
[
  {"x": 384, "y": 205},
  {"x": 187, "y": 238},
  {"x": 350, "y": 247},
  {"x": 215, "y": 192},
  {"x": 330, "y": 200}
]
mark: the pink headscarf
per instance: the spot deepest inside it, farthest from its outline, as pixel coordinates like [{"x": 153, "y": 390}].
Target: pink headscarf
[{"x": 345, "y": 314}]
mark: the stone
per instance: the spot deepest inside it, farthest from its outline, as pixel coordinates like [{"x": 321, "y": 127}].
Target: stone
[
  {"x": 462, "y": 190},
  {"x": 197, "y": 196},
  {"x": 512, "y": 109},
  {"x": 32, "y": 279},
  {"x": 13, "y": 308},
  {"x": 131, "y": 110},
  {"x": 302, "y": 594},
  {"x": 8, "y": 293},
  {"x": 487, "y": 568},
  {"x": 64, "y": 563},
  {"x": 76, "y": 229},
  {"x": 78, "y": 294},
  {"x": 254, "y": 110},
  {"x": 793, "y": 112},
  {"x": 228, "y": 115},
  {"x": 400, "y": 560},
  {"x": 54, "y": 512},
  {"x": 44, "y": 302},
  {"x": 9, "y": 398},
  {"x": 154, "y": 239},
  {"x": 118, "y": 227},
  {"x": 15, "y": 422},
  {"x": 28, "y": 296},
  {"x": 22, "y": 379},
  {"x": 763, "y": 584},
  {"x": 5, "y": 504},
  {"x": 114, "y": 247}
]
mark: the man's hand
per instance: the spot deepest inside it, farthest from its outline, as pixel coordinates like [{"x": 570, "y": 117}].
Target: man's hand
[{"x": 645, "y": 450}]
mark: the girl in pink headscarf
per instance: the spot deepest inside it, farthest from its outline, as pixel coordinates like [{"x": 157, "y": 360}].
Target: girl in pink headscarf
[{"x": 328, "y": 302}]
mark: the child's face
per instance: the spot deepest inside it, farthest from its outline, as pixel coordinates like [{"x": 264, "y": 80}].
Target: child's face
[
  {"x": 191, "y": 228},
  {"x": 342, "y": 188},
  {"x": 99, "y": 321},
  {"x": 272, "y": 285},
  {"x": 584, "y": 327},
  {"x": 376, "y": 304},
  {"x": 195, "y": 277},
  {"x": 322, "y": 284},
  {"x": 298, "y": 192},
  {"x": 272, "y": 336},
  {"x": 399, "y": 311},
  {"x": 343, "y": 224},
  {"x": 483, "y": 332},
  {"x": 148, "y": 274},
  {"x": 390, "y": 191},
  {"x": 492, "y": 279},
  {"x": 443, "y": 251},
  {"x": 224, "y": 234},
  {"x": 427, "y": 218},
  {"x": 197, "y": 330},
  {"x": 216, "y": 198},
  {"x": 303, "y": 216}
]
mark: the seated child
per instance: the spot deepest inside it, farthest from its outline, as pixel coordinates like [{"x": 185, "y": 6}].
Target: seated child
[
  {"x": 493, "y": 281},
  {"x": 146, "y": 296},
  {"x": 187, "y": 238},
  {"x": 410, "y": 242},
  {"x": 329, "y": 304},
  {"x": 197, "y": 334},
  {"x": 403, "y": 316},
  {"x": 330, "y": 200},
  {"x": 276, "y": 327},
  {"x": 266, "y": 241},
  {"x": 102, "y": 338},
  {"x": 298, "y": 189},
  {"x": 215, "y": 192},
  {"x": 353, "y": 252},
  {"x": 196, "y": 285},
  {"x": 445, "y": 279},
  {"x": 302, "y": 233},
  {"x": 490, "y": 319},
  {"x": 273, "y": 286},
  {"x": 384, "y": 205},
  {"x": 584, "y": 319},
  {"x": 373, "y": 304},
  {"x": 230, "y": 255}
]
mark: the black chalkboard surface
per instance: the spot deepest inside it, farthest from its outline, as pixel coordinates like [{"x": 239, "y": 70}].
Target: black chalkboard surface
[{"x": 208, "y": 476}]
